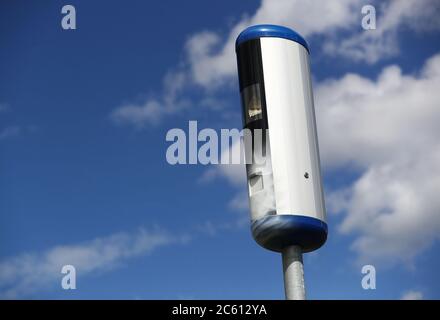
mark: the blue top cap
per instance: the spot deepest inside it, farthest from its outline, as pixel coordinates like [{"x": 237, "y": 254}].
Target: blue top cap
[{"x": 269, "y": 30}]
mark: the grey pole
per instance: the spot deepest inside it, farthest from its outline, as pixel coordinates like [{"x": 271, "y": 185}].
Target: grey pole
[{"x": 293, "y": 273}]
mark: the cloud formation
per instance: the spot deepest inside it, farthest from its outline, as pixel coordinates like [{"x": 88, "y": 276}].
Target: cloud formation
[
  {"x": 388, "y": 129},
  {"x": 152, "y": 110},
  {"x": 209, "y": 57},
  {"x": 392, "y": 17},
  {"x": 29, "y": 273},
  {"x": 212, "y": 58}
]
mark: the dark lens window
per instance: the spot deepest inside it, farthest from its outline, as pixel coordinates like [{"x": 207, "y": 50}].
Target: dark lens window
[{"x": 251, "y": 98}]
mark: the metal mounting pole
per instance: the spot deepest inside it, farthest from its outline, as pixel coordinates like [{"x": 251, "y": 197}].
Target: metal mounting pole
[{"x": 293, "y": 273}]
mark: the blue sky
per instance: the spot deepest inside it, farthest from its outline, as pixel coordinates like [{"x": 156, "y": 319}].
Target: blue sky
[{"x": 85, "y": 183}]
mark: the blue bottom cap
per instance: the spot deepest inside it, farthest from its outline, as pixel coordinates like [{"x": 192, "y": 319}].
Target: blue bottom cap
[{"x": 276, "y": 232}]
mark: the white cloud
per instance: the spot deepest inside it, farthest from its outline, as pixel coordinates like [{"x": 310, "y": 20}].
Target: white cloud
[
  {"x": 388, "y": 129},
  {"x": 152, "y": 110},
  {"x": 138, "y": 115},
  {"x": 240, "y": 202},
  {"x": 210, "y": 63},
  {"x": 25, "y": 274},
  {"x": 212, "y": 58},
  {"x": 412, "y": 295},
  {"x": 233, "y": 173},
  {"x": 392, "y": 17}
]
